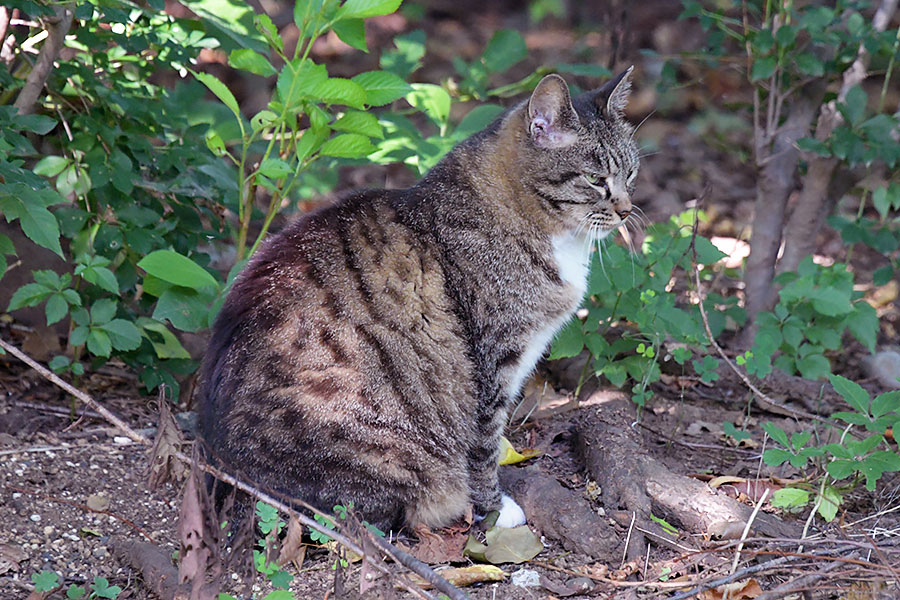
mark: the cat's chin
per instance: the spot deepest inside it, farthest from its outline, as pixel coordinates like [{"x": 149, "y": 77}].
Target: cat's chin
[{"x": 511, "y": 514}]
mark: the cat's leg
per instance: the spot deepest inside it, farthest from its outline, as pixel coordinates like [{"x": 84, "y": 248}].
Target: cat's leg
[{"x": 483, "y": 456}]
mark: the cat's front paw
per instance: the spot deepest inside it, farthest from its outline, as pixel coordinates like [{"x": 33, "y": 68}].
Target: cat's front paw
[{"x": 511, "y": 514}]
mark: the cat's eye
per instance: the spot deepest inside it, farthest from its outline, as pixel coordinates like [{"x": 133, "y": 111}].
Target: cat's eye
[{"x": 593, "y": 178}]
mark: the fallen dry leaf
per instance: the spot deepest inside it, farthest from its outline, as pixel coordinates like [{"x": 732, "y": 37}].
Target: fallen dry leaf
[
  {"x": 443, "y": 547},
  {"x": 97, "y": 502},
  {"x": 738, "y": 590},
  {"x": 464, "y": 576},
  {"x": 292, "y": 548},
  {"x": 163, "y": 465},
  {"x": 509, "y": 455},
  {"x": 502, "y": 545}
]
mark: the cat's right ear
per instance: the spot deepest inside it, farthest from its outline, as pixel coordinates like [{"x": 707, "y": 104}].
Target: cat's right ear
[{"x": 552, "y": 120}]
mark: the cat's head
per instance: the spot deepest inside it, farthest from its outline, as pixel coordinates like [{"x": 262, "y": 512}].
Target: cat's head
[{"x": 583, "y": 155}]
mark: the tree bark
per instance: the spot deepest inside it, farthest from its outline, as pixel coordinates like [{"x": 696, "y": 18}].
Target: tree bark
[
  {"x": 776, "y": 182},
  {"x": 57, "y": 28}
]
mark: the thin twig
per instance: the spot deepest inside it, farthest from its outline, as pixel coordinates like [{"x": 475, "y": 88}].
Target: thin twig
[{"x": 737, "y": 553}]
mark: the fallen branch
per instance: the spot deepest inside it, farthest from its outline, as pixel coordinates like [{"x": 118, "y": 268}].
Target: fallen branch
[{"x": 414, "y": 565}]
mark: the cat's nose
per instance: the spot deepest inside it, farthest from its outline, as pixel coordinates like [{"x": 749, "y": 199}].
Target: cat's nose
[
  {"x": 623, "y": 207},
  {"x": 623, "y": 213}
]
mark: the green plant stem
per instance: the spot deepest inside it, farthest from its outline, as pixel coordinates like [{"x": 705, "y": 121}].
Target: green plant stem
[{"x": 890, "y": 70}]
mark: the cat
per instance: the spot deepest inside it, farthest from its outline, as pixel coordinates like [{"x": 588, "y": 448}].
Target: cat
[{"x": 370, "y": 351}]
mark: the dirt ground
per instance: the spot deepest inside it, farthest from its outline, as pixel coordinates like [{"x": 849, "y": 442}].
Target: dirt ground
[{"x": 70, "y": 484}]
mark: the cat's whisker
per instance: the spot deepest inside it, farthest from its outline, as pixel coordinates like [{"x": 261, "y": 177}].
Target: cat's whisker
[
  {"x": 638, "y": 213},
  {"x": 644, "y": 120},
  {"x": 640, "y": 156}
]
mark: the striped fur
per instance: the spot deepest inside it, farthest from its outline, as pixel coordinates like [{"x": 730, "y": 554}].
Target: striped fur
[{"x": 370, "y": 351}]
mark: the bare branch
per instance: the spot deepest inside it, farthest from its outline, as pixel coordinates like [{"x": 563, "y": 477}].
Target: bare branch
[{"x": 57, "y": 28}]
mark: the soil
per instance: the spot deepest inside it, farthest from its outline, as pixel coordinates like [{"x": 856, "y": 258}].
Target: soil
[{"x": 70, "y": 484}]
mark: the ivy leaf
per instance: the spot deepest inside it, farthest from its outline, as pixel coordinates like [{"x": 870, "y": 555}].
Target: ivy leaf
[
  {"x": 29, "y": 294},
  {"x": 56, "y": 308},
  {"x": 98, "y": 343},
  {"x": 123, "y": 334}
]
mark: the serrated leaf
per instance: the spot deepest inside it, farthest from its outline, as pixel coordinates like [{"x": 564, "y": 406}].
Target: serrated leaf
[
  {"x": 831, "y": 301},
  {"x": 707, "y": 253},
  {"x": 6, "y": 245},
  {"x": 249, "y": 60},
  {"x": 355, "y": 121},
  {"x": 56, "y": 308},
  {"x": 29, "y": 294},
  {"x": 809, "y": 64},
  {"x": 876, "y": 464},
  {"x": 337, "y": 90},
  {"x": 885, "y": 403},
  {"x": 169, "y": 347},
  {"x": 98, "y": 343},
  {"x": 814, "y": 146},
  {"x": 347, "y": 145},
  {"x": 505, "y": 48},
  {"x": 851, "y": 392},
  {"x": 864, "y": 324},
  {"x": 123, "y": 334},
  {"x": 432, "y": 99},
  {"x": 29, "y": 206},
  {"x": 854, "y": 107},
  {"x": 763, "y": 68},
  {"x": 352, "y": 32},
  {"x": 814, "y": 366},
  {"x": 382, "y": 87},
  {"x": 175, "y": 268},
  {"x": 569, "y": 341},
  {"x": 275, "y": 168},
  {"x": 183, "y": 307},
  {"x": 363, "y": 9},
  {"x": 220, "y": 90}
]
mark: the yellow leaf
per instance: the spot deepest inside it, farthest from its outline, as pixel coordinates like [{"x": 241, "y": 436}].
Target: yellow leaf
[
  {"x": 464, "y": 576},
  {"x": 509, "y": 456}
]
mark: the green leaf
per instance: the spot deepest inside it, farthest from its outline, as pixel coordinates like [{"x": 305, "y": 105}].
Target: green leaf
[
  {"x": 776, "y": 433},
  {"x": 246, "y": 59},
  {"x": 30, "y": 208},
  {"x": 432, "y": 99},
  {"x": 6, "y": 245},
  {"x": 505, "y": 48},
  {"x": 809, "y": 64},
  {"x": 347, "y": 145},
  {"x": 280, "y": 594},
  {"x": 103, "y": 310},
  {"x": 171, "y": 266},
  {"x": 75, "y": 592},
  {"x": 841, "y": 468},
  {"x": 30, "y": 294},
  {"x": 98, "y": 343},
  {"x": 297, "y": 79},
  {"x": 831, "y": 301},
  {"x": 382, "y": 87},
  {"x": 789, "y": 498},
  {"x": 45, "y": 581},
  {"x": 220, "y": 90},
  {"x": 864, "y": 324},
  {"x": 776, "y": 456},
  {"x": 123, "y": 334},
  {"x": 814, "y": 366},
  {"x": 183, "y": 307},
  {"x": 102, "y": 277},
  {"x": 885, "y": 403},
  {"x": 569, "y": 341},
  {"x": 231, "y": 23},
  {"x": 881, "y": 201},
  {"x": 707, "y": 253},
  {"x": 355, "y": 121},
  {"x": 363, "y": 9},
  {"x": 851, "y": 392},
  {"x": 830, "y": 501},
  {"x": 855, "y": 105},
  {"x": 352, "y": 32},
  {"x": 169, "y": 347},
  {"x": 51, "y": 166},
  {"x": 56, "y": 308},
  {"x": 407, "y": 57},
  {"x": 102, "y": 589},
  {"x": 275, "y": 168},
  {"x": 763, "y": 68},
  {"x": 729, "y": 429},
  {"x": 814, "y": 146},
  {"x": 876, "y": 464},
  {"x": 337, "y": 90}
]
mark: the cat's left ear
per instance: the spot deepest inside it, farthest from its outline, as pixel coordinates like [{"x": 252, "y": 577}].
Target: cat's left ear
[
  {"x": 612, "y": 97},
  {"x": 552, "y": 120}
]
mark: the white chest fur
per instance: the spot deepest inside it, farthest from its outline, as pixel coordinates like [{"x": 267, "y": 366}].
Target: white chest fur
[{"x": 573, "y": 263}]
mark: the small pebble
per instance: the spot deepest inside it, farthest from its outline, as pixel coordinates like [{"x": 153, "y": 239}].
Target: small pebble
[
  {"x": 36, "y": 518},
  {"x": 525, "y": 578},
  {"x": 121, "y": 440}
]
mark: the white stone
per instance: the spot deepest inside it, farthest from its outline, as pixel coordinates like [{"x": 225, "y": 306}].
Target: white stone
[{"x": 525, "y": 578}]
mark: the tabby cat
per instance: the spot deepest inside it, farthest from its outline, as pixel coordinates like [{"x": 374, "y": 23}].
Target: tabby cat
[{"x": 370, "y": 352}]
